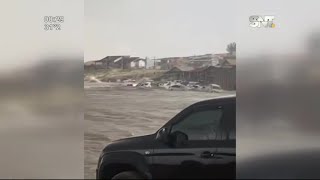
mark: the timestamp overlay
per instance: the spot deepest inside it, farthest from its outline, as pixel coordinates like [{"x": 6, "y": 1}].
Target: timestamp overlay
[{"x": 53, "y": 23}]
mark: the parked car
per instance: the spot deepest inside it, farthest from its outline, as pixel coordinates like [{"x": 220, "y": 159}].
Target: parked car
[
  {"x": 145, "y": 84},
  {"x": 167, "y": 84},
  {"x": 192, "y": 85},
  {"x": 198, "y": 86},
  {"x": 215, "y": 88},
  {"x": 176, "y": 87},
  {"x": 195, "y": 86},
  {"x": 199, "y": 142},
  {"x": 185, "y": 83},
  {"x": 130, "y": 82},
  {"x": 177, "y": 81},
  {"x": 160, "y": 84}
]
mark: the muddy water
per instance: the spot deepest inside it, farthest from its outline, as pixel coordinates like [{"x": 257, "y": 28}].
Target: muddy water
[{"x": 118, "y": 112}]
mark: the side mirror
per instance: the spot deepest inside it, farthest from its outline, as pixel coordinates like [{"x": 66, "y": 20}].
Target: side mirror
[
  {"x": 178, "y": 139},
  {"x": 163, "y": 135}
]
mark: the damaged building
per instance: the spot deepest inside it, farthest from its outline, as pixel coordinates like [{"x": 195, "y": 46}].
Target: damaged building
[
  {"x": 117, "y": 62},
  {"x": 223, "y": 74}
]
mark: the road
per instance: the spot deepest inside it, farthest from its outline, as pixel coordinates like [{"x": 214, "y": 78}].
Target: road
[{"x": 112, "y": 113}]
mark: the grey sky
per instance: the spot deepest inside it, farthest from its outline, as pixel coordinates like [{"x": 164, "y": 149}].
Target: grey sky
[
  {"x": 158, "y": 28},
  {"x": 23, "y": 39},
  {"x": 150, "y": 28},
  {"x": 294, "y": 20}
]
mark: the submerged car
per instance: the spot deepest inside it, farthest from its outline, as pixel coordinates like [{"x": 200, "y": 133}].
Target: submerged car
[
  {"x": 215, "y": 88},
  {"x": 145, "y": 84},
  {"x": 130, "y": 82},
  {"x": 176, "y": 87},
  {"x": 167, "y": 84},
  {"x": 199, "y": 142},
  {"x": 192, "y": 83}
]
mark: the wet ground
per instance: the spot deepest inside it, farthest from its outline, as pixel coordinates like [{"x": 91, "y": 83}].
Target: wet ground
[{"x": 113, "y": 112}]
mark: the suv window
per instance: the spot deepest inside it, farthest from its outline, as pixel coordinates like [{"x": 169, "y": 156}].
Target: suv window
[
  {"x": 229, "y": 134},
  {"x": 200, "y": 125},
  {"x": 229, "y": 125}
]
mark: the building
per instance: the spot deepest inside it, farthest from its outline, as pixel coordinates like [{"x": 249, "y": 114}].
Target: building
[
  {"x": 220, "y": 58},
  {"x": 138, "y": 63},
  {"x": 179, "y": 72},
  {"x": 207, "y": 69},
  {"x": 116, "y": 62},
  {"x": 227, "y": 62},
  {"x": 169, "y": 62},
  {"x": 90, "y": 65},
  {"x": 225, "y": 76},
  {"x": 196, "y": 61},
  {"x": 201, "y": 61}
]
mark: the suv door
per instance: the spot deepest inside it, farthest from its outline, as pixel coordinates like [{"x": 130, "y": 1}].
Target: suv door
[
  {"x": 193, "y": 160},
  {"x": 226, "y": 153}
]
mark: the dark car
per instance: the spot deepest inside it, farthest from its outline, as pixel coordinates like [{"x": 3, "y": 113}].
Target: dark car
[{"x": 199, "y": 142}]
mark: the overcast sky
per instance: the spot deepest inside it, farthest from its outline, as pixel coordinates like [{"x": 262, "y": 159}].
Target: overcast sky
[
  {"x": 158, "y": 28},
  {"x": 295, "y": 21},
  {"x": 188, "y": 27},
  {"x": 23, "y": 40}
]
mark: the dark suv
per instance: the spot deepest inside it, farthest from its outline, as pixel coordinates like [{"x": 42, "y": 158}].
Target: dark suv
[{"x": 199, "y": 142}]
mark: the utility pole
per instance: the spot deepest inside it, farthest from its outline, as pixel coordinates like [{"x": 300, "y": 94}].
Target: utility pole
[{"x": 154, "y": 62}]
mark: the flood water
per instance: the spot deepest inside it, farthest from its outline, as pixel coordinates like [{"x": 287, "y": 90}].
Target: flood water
[{"x": 114, "y": 112}]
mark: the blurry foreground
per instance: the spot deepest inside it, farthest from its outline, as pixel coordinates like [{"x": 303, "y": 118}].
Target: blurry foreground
[
  {"x": 278, "y": 110},
  {"x": 41, "y": 126}
]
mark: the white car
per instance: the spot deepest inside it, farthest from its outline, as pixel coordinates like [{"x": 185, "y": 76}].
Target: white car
[
  {"x": 145, "y": 84},
  {"x": 167, "y": 84},
  {"x": 176, "y": 87},
  {"x": 177, "y": 81},
  {"x": 131, "y": 84},
  {"x": 215, "y": 88},
  {"x": 192, "y": 84}
]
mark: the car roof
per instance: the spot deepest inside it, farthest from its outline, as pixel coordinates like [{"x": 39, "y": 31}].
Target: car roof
[
  {"x": 224, "y": 99},
  {"x": 216, "y": 100},
  {"x": 215, "y": 85}
]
